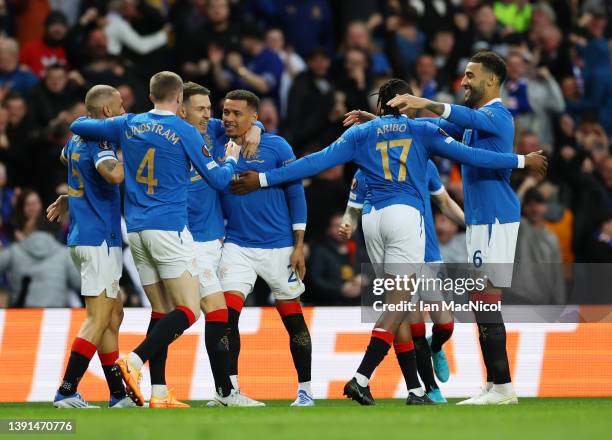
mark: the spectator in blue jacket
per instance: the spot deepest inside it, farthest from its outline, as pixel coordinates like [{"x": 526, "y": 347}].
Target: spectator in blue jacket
[{"x": 13, "y": 77}]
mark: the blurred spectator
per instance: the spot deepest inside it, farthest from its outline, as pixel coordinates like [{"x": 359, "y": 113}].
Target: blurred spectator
[
  {"x": 452, "y": 242},
  {"x": 256, "y": 68},
  {"x": 445, "y": 56},
  {"x": 293, "y": 65},
  {"x": 268, "y": 115},
  {"x": 489, "y": 34},
  {"x": 514, "y": 14},
  {"x": 56, "y": 93},
  {"x": 426, "y": 73},
  {"x": 39, "y": 54},
  {"x": 29, "y": 16},
  {"x": 358, "y": 37},
  {"x": 405, "y": 42},
  {"x": 600, "y": 245},
  {"x": 312, "y": 89},
  {"x": 326, "y": 194},
  {"x": 537, "y": 258},
  {"x": 354, "y": 79},
  {"x": 221, "y": 31},
  {"x": 434, "y": 14},
  {"x": 6, "y": 205},
  {"x": 27, "y": 215},
  {"x": 307, "y": 25},
  {"x": 40, "y": 272},
  {"x": 552, "y": 50},
  {"x": 127, "y": 95},
  {"x": 334, "y": 267},
  {"x": 21, "y": 135},
  {"x": 12, "y": 76},
  {"x": 534, "y": 98},
  {"x": 189, "y": 20},
  {"x": 120, "y": 33}
]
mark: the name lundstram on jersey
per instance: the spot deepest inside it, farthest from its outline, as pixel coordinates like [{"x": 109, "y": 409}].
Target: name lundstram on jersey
[{"x": 155, "y": 128}]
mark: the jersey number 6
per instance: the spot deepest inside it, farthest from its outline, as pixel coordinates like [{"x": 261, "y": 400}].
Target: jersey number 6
[
  {"x": 384, "y": 146},
  {"x": 148, "y": 161}
]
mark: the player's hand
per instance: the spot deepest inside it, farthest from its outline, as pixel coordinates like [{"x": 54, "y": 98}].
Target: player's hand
[
  {"x": 345, "y": 231},
  {"x": 298, "y": 263},
  {"x": 251, "y": 142},
  {"x": 58, "y": 210},
  {"x": 407, "y": 101},
  {"x": 246, "y": 183},
  {"x": 232, "y": 149},
  {"x": 537, "y": 162},
  {"x": 356, "y": 117}
]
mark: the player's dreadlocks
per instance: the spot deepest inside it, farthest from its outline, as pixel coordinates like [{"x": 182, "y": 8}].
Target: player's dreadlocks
[{"x": 388, "y": 91}]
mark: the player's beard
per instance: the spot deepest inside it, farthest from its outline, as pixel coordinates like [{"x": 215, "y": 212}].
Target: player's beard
[{"x": 476, "y": 94}]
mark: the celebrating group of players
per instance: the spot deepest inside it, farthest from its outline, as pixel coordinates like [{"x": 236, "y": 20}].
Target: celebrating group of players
[{"x": 205, "y": 219}]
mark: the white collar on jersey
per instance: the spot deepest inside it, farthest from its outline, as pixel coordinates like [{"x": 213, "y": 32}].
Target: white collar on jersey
[
  {"x": 493, "y": 101},
  {"x": 156, "y": 111}
]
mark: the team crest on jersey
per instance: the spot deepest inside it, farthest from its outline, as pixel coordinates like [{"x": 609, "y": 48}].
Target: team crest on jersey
[
  {"x": 104, "y": 145},
  {"x": 205, "y": 151}
]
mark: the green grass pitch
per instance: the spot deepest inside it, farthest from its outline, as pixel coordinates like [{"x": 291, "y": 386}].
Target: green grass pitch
[{"x": 538, "y": 418}]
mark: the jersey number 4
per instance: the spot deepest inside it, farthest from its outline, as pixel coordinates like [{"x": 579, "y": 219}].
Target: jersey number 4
[
  {"x": 148, "y": 162},
  {"x": 384, "y": 147}
]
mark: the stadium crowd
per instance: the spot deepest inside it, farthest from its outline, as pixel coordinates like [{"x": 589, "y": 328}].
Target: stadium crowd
[{"x": 311, "y": 61}]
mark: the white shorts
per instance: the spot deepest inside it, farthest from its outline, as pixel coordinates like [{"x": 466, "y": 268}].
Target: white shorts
[
  {"x": 431, "y": 289},
  {"x": 162, "y": 254},
  {"x": 100, "y": 268},
  {"x": 395, "y": 239},
  {"x": 240, "y": 267},
  {"x": 208, "y": 257},
  {"x": 491, "y": 249}
]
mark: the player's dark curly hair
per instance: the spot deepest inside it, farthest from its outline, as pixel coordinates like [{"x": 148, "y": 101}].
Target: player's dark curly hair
[
  {"x": 492, "y": 62},
  {"x": 387, "y": 91}
]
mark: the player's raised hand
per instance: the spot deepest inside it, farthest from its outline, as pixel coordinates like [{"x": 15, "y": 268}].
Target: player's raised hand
[
  {"x": 58, "y": 210},
  {"x": 251, "y": 142},
  {"x": 246, "y": 183},
  {"x": 345, "y": 231},
  {"x": 356, "y": 117},
  {"x": 407, "y": 101},
  {"x": 537, "y": 162},
  {"x": 232, "y": 149}
]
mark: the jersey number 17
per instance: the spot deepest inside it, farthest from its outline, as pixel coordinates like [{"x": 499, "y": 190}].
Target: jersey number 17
[{"x": 384, "y": 147}]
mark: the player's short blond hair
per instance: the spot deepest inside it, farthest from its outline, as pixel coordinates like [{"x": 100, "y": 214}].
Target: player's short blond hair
[
  {"x": 164, "y": 86},
  {"x": 98, "y": 96}
]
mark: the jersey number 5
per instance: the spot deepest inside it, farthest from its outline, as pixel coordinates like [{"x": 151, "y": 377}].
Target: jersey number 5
[
  {"x": 384, "y": 146},
  {"x": 148, "y": 161},
  {"x": 78, "y": 191}
]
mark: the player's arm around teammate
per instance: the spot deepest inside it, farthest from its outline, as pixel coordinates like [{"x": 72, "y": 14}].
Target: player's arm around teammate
[{"x": 100, "y": 266}]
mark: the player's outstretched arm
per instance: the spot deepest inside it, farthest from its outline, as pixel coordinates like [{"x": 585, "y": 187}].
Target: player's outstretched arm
[
  {"x": 438, "y": 142},
  {"x": 341, "y": 151},
  {"x": 482, "y": 119},
  {"x": 98, "y": 129},
  {"x": 217, "y": 176},
  {"x": 449, "y": 207}
]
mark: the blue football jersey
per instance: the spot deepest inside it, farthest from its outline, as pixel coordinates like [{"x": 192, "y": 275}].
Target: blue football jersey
[
  {"x": 358, "y": 198},
  {"x": 95, "y": 204},
  {"x": 159, "y": 149},
  {"x": 265, "y": 218},
  {"x": 487, "y": 194},
  {"x": 204, "y": 209},
  {"x": 392, "y": 152}
]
